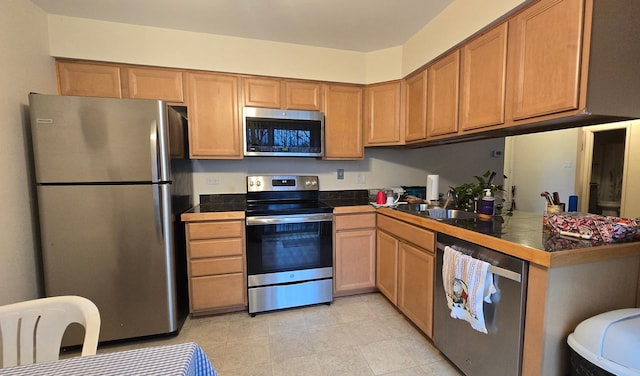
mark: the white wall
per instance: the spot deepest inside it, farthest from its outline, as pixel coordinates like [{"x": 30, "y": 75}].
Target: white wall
[
  {"x": 73, "y": 37},
  {"x": 26, "y": 66},
  {"x": 382, "y": 167},
  {"x": 540, "y": 162},
  {"x": 460, "y": 20}
]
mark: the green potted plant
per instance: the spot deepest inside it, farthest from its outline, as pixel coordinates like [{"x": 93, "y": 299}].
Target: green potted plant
[{"x": 470, "y": 193}]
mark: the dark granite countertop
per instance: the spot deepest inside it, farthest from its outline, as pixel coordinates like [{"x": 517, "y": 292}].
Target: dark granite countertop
[
  {"x": 525, "y": 229},
  {"x": 237, "y": 202},
  {"x": 522, "y": 235}
]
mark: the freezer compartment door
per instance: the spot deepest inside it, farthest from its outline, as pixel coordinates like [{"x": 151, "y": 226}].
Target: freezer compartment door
[
  {"x": 87, "y": 140},
  {"x": 112, "y": 245}
]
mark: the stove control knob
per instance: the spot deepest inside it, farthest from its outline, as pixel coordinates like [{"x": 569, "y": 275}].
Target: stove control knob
[
  {"x": 251, "y": 183},
  {"x": 314, "y": 183},
  {"x": 258, "y": 183}
]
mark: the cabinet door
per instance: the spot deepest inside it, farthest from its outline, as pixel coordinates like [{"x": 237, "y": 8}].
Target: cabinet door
[
  {"x": 482, "y": 79},
  {"x": 415, "y": 287},
  {"x": 343, "y": 122},
  {"x": 302, "y": 95},
  {"x": 355, "y": 260},
  {"x": 214, "y": 122},
  {"x": 262, "y": 92},
  {"x": 442, "y": 108},
  {"x": 217, "y": 291},
  {"x": 382, "y": 114},
  {"x": 416, "y": 107},
  {"x": 387, "y": 265},
  {"x": 544, "y": 58},
  {"x": 147, "y": 83},
  {"x": 88, "y": 80}
]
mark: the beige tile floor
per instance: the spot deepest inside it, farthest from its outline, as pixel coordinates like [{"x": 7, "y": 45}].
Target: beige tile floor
[{"x": 357, "y": 335}]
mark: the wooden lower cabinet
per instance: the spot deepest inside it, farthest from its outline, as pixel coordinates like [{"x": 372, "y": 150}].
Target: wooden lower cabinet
[
  {"x": 405, "y": 269},
  {"x": 217, "y": 291},
  {"x": 387, "y": 266},
  {"x": 355, "y": 253},
  {"x": 216, "y": 265},
  {"x": 415, "y": 286}
]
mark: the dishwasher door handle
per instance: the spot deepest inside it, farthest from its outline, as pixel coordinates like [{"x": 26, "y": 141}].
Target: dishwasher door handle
[{"x": 502, "y": 272}]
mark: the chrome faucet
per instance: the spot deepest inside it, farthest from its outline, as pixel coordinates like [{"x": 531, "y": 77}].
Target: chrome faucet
[{"x": 451, "y": 195}]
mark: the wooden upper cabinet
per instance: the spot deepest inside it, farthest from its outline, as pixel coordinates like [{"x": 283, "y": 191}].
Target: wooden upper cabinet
[
  {"x": 416, "y": 107},
  {"x": 300, "y": 95},
  {"x": 383, "y": 120},
  {"x": 89, "y": 80},
  {"x": 284, "y": 94},
  {"x": 149, "y": 83},
  {"x": 262, "y": 92},
  {"x": 343, "y": 122},
  {"x": 483, "y": 79},
  {"x": 214, "y": 121},
  {"x": 544, "y": 58},
  {"x": 443, "y": 87}
]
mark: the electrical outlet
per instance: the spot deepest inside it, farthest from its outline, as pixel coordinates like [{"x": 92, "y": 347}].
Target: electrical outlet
[
  {"x": 341, "y": 174},
  {"x": 496, "y": 153},
  {"x": 362, "y": 179},
  {"x": 213, "y": 181}
]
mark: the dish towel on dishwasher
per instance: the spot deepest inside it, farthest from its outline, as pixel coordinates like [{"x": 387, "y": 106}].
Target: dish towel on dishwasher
[{"x": 467, "y": 284}]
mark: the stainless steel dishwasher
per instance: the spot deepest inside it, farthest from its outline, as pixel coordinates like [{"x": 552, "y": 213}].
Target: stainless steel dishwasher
[{"x": 500, "y": 351}]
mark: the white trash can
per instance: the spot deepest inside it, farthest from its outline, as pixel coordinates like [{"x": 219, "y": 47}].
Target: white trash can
[{"x": 607, "y": 344}]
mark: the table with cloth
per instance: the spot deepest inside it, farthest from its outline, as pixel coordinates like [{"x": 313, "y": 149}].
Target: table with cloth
[{"x": 186, "y": 359}]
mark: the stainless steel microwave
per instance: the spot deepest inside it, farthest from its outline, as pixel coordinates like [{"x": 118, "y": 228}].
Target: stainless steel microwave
[{"x": 278, "y": 133}]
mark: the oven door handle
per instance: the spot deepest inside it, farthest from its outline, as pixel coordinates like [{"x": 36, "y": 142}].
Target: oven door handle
[{"x": 283, "y": 219}]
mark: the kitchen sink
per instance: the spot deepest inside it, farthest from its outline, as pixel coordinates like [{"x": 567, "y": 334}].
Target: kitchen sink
[{"x": 436, "y": 213}]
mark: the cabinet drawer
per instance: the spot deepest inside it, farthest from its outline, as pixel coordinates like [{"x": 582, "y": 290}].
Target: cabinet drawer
[
  {"x": 215, "y": 248},
  {"x": 353, "y": 221},
  {"x": 219, "y": 291},
  {"x": 215, "y": 230},
  {"x": 410, "y": 233},
  {"x": 221, "y": 265}
]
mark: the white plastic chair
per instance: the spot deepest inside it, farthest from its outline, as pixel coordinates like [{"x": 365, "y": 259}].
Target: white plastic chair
[{"x": 32, "y": 331}]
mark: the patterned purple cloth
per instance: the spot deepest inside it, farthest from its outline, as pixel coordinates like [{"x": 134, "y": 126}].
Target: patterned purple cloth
[{"x": 185, "y": 359}]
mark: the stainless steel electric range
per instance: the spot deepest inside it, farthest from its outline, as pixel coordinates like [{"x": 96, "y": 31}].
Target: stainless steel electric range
[{"x": 289, "y": 236}]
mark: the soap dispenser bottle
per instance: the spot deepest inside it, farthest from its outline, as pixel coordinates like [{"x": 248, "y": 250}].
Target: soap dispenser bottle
[{"x": 486, "y": 205}]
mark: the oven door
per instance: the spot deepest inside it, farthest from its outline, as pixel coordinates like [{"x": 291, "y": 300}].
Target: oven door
[{"x": 278, "y": 245}]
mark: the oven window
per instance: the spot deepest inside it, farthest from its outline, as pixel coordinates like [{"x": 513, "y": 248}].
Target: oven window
[{"x": 288, "y": 247}]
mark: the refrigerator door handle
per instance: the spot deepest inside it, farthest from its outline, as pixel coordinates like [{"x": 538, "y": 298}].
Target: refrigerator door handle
[
  {"x": 157, "y": 209},
  {"x": 153, "y": 140}
]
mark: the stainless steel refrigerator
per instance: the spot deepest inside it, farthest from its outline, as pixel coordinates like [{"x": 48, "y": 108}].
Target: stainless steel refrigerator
[{"x": 109, "y": 197}]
